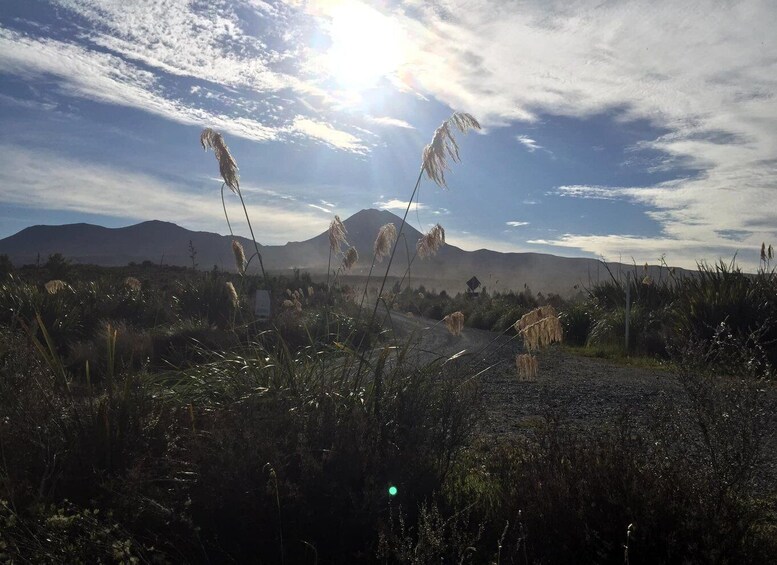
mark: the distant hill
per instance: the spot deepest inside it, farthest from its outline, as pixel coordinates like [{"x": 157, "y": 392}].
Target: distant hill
[{"x": 164, "y": 242}]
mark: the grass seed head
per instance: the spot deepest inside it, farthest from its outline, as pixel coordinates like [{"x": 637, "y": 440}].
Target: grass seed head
[
  {"x": 387, "y": 235},
  {"x": 210, "y": 139},
  {"x": 240, "y": 256},
  {"x": 337, "y": 233},
  {"x": 350, "y": 258},
  {"x": 54, "y": 286},
  {"x": 444, "y": 147},
  {"x": 527, "y": 367},
  {"x": 431, "y": 242},
  {"x": 539, "y": 328},
  {"x": 454, "y": 322},
  {"x": 232, "y": 294},
  {"x": 132, "y": 283}
]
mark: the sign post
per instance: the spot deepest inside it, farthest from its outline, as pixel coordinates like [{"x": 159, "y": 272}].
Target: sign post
[
  {"x": 262, "y": 306},
  {"x": 473, "y": 284}
]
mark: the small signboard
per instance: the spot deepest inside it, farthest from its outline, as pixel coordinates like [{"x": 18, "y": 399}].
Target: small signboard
[
  {"x": 473, "y": 283},
  {"x": 262, "y": 308}
]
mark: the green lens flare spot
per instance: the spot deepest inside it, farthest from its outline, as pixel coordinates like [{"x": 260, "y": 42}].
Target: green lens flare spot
[{"x": 392, "y": 490}]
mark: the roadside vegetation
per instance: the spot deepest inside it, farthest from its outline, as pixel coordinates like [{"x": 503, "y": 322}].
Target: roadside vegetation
[{"x": 146, "y": 417}]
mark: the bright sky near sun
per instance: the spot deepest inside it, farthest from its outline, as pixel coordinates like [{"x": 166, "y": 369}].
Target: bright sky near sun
[{"x": 633, "y": 129}]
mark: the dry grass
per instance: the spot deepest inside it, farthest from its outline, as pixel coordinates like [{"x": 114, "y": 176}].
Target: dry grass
[
  {"x": 240, "y": 256},
  {"x": 350, "y": 258},
  {"x": 337, "y": 234},
  {"x": 387, "y": 235},
  {"x": 232, "y": 294},
  {"x": 527, "y": 366},
  {"x": 454, "y": 322},
  {"x": 132, "y": 283},
  {"x": 431, "y": 242},
  {"x": 539, "y": 328},
  {"x": 54, "y": 286},
  {"x": 444, "y": 146},
  {"x": 211, "y": 139}
]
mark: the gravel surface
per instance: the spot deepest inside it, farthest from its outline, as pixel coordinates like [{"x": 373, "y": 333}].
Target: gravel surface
[{"x": 588, "y": 393}]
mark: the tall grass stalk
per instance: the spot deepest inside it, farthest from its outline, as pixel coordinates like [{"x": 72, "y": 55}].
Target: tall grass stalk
[
  {"x": 210, "y": 139},
  {"x": 434, "y": 163}
]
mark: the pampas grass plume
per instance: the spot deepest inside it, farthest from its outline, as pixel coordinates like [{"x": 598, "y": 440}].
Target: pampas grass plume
[
  {"x": 539, "y": 328},
  {"x": 210, "y": 139},
  {"x": 54, "y": 286},
  {"x": 350, "y": 258},
  {"x": 387, "y": 235},
  {"x": 443, "y": 146},
  {"x": 337, "y": 233},
  {"x": 527, "y": 367},
  {"x": 232, "y": 294},
  {"x": 132, "y": 283},
  {"x": 431, "y": 242},
  {"x": 454, "y": 322},
  {"x": 240, "y": 256}
]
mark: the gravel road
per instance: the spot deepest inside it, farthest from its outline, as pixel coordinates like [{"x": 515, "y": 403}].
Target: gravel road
[{"x": 587, "y": 392}]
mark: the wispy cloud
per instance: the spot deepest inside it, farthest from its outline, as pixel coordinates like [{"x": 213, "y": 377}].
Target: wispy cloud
[
  {"x": 205, "y": 41},
  {"x": 592, "y": 192},
  {"x": 516, "y": 224},
  {"x": 109, "y": 79},
  {"x": 530, "y": 144},
  {"x": 393, "y": 122},
  {"x": 99, "y": 189},
  {"x": 328, "y": 134},
  {"x": 396, "y": 204},
  {"x": 682, "y": 253},
  {"x": 472, "y": 242}
]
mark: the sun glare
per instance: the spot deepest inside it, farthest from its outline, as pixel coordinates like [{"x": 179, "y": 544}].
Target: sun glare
[{"x": 366, "y": 46}]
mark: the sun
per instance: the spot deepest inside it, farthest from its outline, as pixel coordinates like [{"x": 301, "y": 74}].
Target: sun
[{"x": 366, "y": 46}]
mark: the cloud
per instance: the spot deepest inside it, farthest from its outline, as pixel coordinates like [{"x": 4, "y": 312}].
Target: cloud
[
  {"x": 701, "y": 71},
  {"x": 517, "y": 224},
  {"x": 109, "y": 79},
  {"x": 685, "y": 221},
  {"x": 473, "y": 242},
  {"x": 676, "y": 252},
  {"x": 530, "y": 145},
  {"x": 328, "y": 134},
  {"x": 393, "y": 122},
  {"x": 396, "y": 204},
  {"x": 592, "y": 192},
  {"x": 52, "y": 182},
  {"x": 204, "y": 40}
]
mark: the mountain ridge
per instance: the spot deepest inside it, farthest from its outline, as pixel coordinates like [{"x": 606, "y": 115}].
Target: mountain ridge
[{"x": 165, "y": 242}]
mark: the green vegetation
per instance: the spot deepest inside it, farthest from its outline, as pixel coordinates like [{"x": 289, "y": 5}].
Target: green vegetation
[
  {"x": 162, "y": 425},
  {"x": 663, "y": 315}
]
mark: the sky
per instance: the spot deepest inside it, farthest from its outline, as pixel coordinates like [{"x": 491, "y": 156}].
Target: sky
[{"x": 623, "y": 130}]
